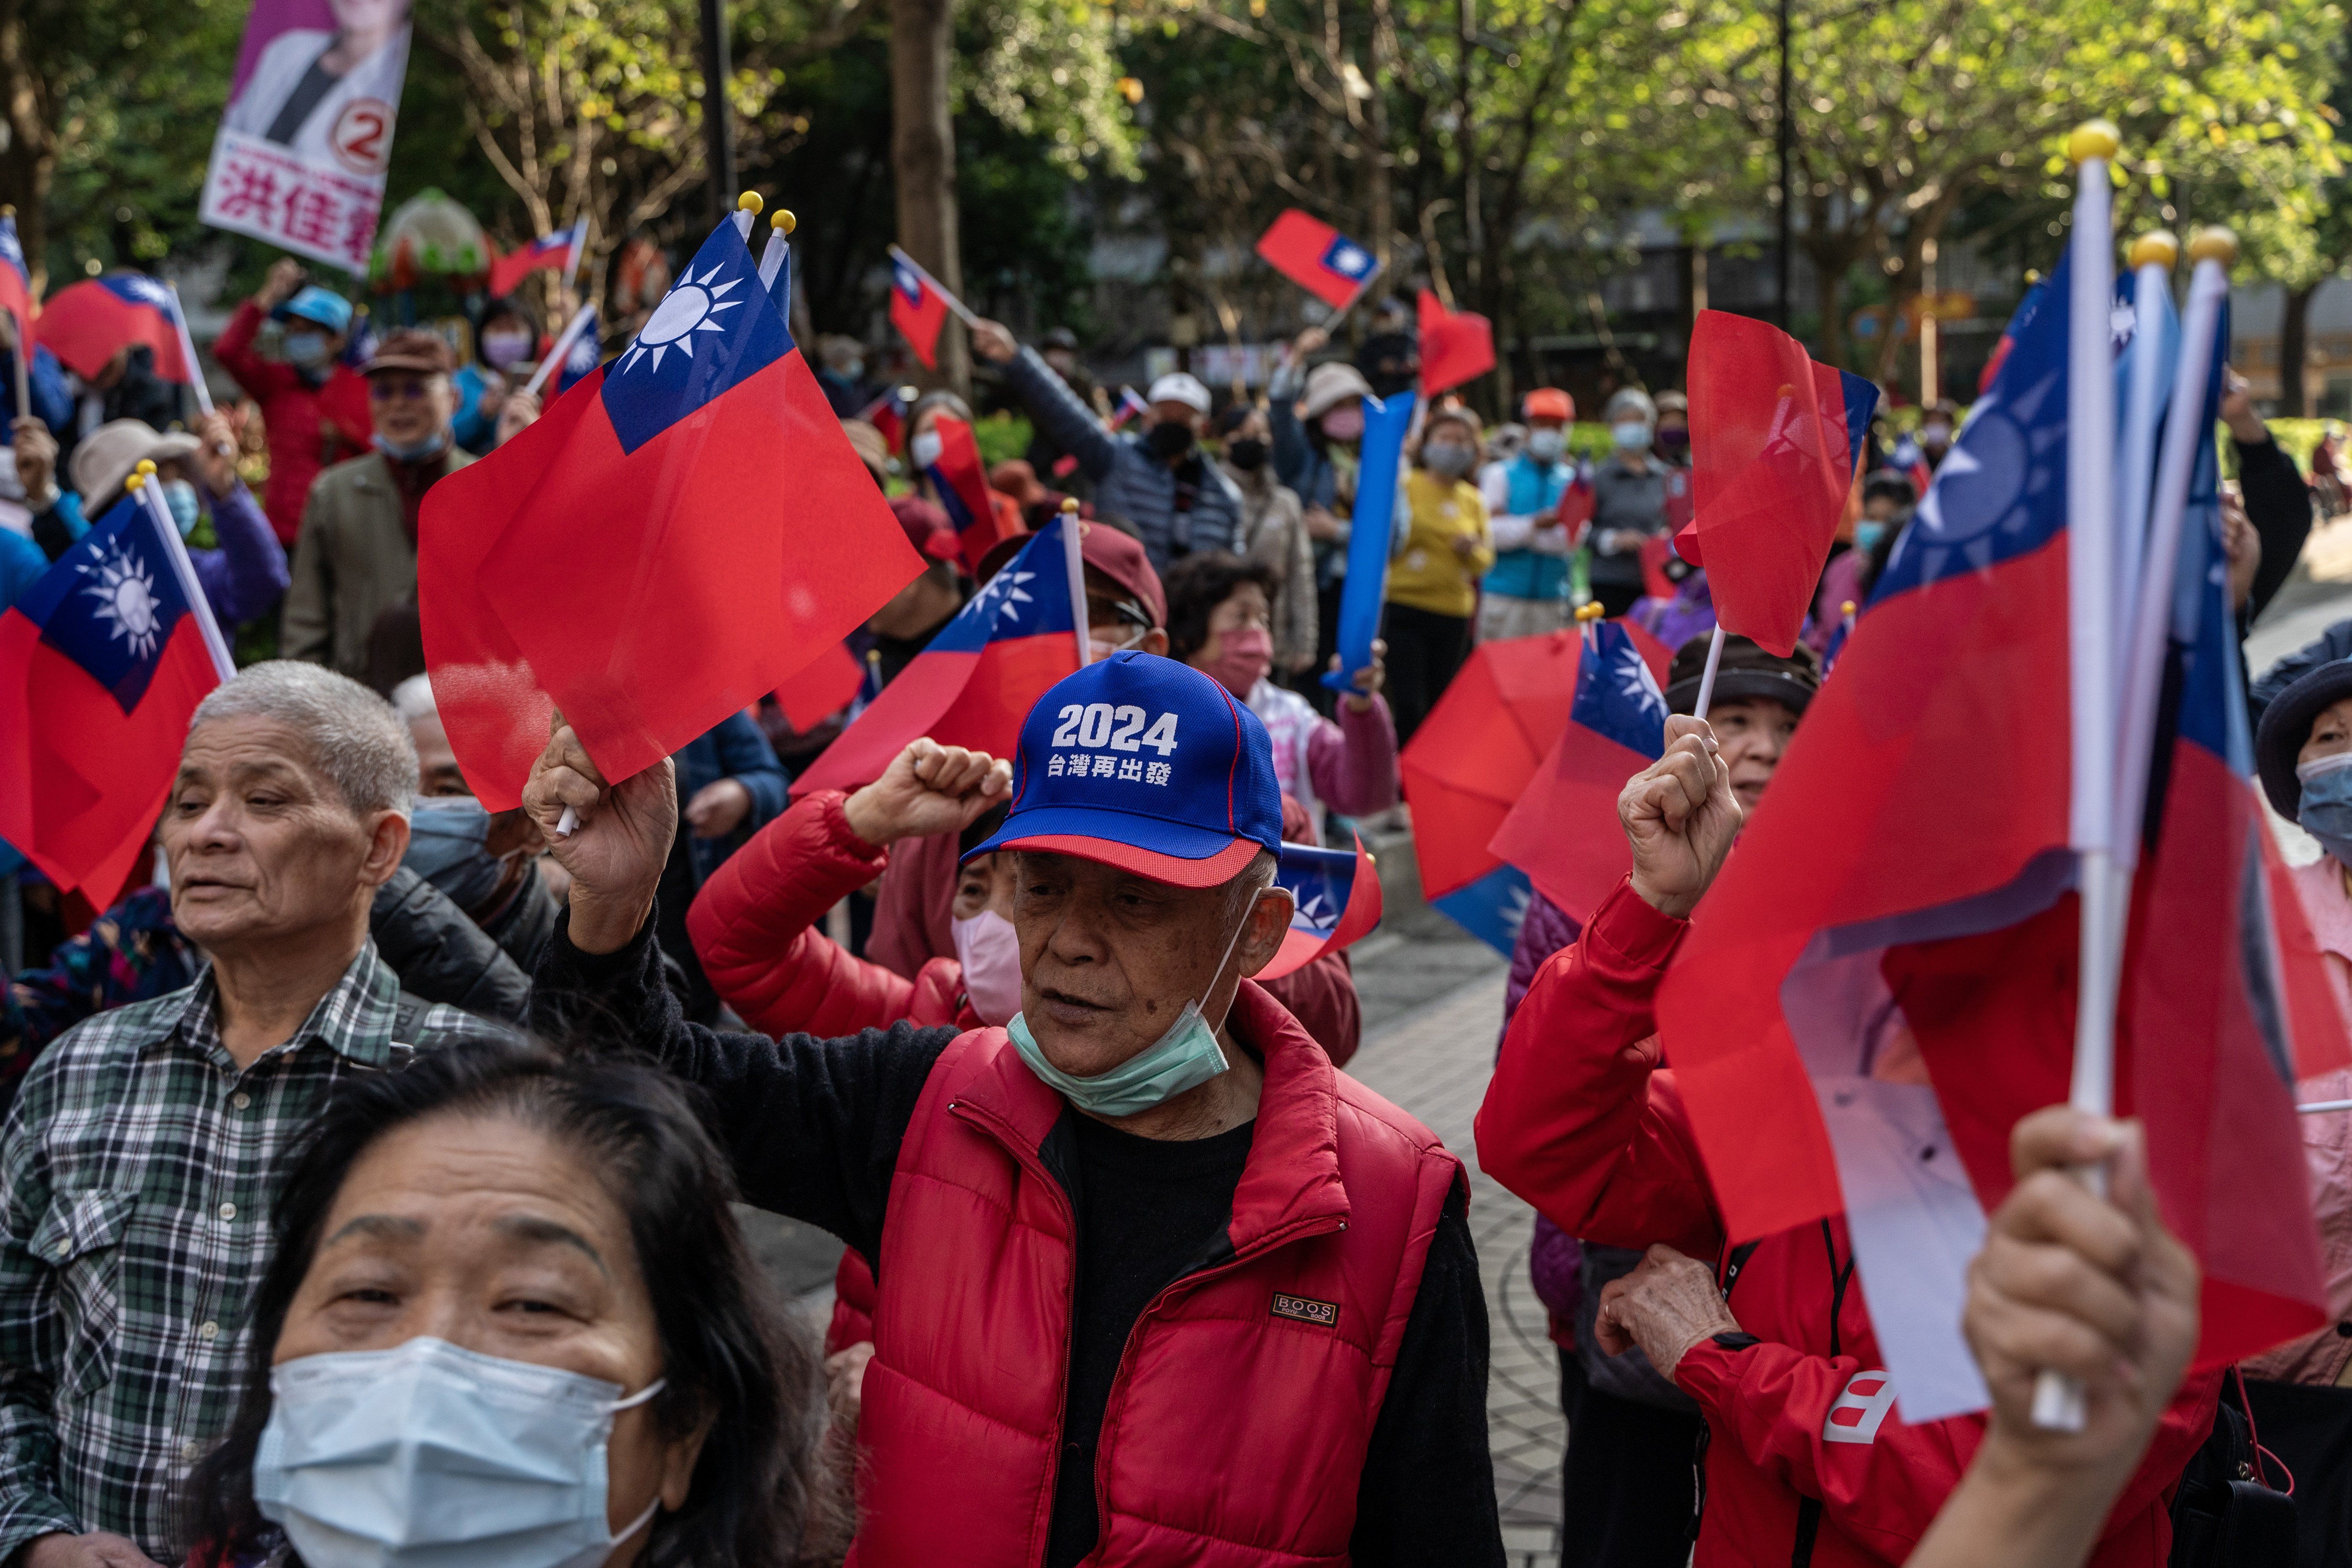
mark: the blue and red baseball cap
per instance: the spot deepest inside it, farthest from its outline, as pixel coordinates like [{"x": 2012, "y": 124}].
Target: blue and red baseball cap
[{"x": 1147, "y": 764}]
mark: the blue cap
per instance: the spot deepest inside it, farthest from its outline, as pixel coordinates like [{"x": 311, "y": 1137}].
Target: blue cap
[
  {"x": 320, "y": 307},
  {"x": 1147, "y": 764}
]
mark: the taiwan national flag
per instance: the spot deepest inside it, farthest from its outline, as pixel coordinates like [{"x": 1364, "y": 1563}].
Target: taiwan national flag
[
  {"x": 980, "y": 675},
  {"x": 557, "y": 250},
  {"x": 1455, "y": 345},
  {"x": 917, "y": 310},
  {"x": 1334, "y": 901},
  {"x": 1318, "y": 259},
  {"x": 85, "y": 325},
  {"x": 1774, "y": 441},
  {"x": 102, "y": 663},
  {"x": 962, "y": 487},
  {"x": 1564, "y": 832},
  {"x": 1882, "y": 979},
  {"x": 586, "y": 351},
  {"x": 16, "y": 282},
  {"x": 656, "y": 552},
  {"x": 888, "y": 414}
]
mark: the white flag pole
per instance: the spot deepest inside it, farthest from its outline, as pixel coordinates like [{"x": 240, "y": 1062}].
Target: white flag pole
[
  {"x": 779, "y": 246},
  {"x": 2153, "y": 257},
  {"x": 1707, "y": 676},
  {"x": 2058, "y": 1400},
  {"x": 188, "y": 352},
  {"x": 2318, "y": 1106},
  {"x": 141, "y": 485},
  {"x": 962, "y": 313},
  {"x": 2212, "y": 250},
  {"x": 1073, "y": 564},
  {"x": 579, "y": 250},
  {"x": 561, "y": 350},
  {"x": 747, "y": 207}
]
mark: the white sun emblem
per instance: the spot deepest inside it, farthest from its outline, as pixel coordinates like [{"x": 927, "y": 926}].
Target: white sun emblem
[
  {"x": 1317, "y": 914},
  {"x": 1348, "y": 260},
  {"x": 686, "y": 310},
  {"x": 126, "y": 601},
  {"x": 1634, "y": 680},
  {"x": 1007, "y": 595}
]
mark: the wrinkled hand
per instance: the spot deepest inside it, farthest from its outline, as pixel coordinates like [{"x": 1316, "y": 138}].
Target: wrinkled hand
[
  {"x": 286, "y": 278},
  {"x": 719, "y": 808},
  {"x": 515, "y": 411},
  {"x": 844, "y": 1381},
  {"x": 927, "y": 788},
  {"x": 2093, "y": 1288},
  {"x": 994, "y": 342},
  {"x": 1666, "y": 1305},
  {"x": 2238, "y": 409},
  {"x": 615, "y": 856},
  {"x": 216, "y": 461},
  {"x": 1368, "y": 680},
  {"x": 1680, "y": 816},
  {"x": 37, "y": 458},
  {"x": 98, "y": 1549}
]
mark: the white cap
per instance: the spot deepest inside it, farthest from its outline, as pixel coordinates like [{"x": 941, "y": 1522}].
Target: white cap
[{"x": 1178, "y": 388}]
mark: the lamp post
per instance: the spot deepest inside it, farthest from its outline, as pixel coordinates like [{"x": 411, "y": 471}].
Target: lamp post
[
  {"x": 716, "y": 124},
  {"x": 1785, "y": 135}
]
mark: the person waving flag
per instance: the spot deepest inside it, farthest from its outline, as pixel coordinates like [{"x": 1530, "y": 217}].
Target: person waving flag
[{"x": 658, "y": 550}]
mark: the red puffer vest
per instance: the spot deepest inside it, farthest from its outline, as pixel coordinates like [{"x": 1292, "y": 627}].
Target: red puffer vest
[{"x": 1237, "y": 1425}]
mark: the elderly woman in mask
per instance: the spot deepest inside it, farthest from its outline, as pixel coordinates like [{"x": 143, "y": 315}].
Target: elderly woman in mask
[
  {"x": 510, "y": 1318},
  {"x": 1317, "y": 419},
  {"x": 1434, "y": 579}
]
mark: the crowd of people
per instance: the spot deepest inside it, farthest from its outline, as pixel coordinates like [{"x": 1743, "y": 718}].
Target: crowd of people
[{"x": 368, "y": 1185}]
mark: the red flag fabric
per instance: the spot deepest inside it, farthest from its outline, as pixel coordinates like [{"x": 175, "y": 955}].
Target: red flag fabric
[
  {"x": 85, "y": 325},
  {"x": 962, "y": 485},
  {"x": 1455, "y": 345},
  {"x": 976, "y": 681},
  {"x": 16, "y": 282},
  {"x": 819, "y": 690},
  {"x": 918, "y": 311},
  {"x": 1774, "y": 441},
  {"x": 103, "y": 661},
  {"x": 1317, "y": 258},
  {"x": 554, "y": 250},
  {"x": 675, "y": 537}
]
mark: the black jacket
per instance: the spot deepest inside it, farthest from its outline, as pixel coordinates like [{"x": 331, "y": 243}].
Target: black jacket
[{"x": 441, "y": 955}]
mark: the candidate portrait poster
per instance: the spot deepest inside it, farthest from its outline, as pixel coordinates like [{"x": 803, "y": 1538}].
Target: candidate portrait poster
[{"x": 300, "y": 154}]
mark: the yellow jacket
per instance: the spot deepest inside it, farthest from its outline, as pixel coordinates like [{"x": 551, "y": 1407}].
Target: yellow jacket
[{"x": 1426, "y": 574}]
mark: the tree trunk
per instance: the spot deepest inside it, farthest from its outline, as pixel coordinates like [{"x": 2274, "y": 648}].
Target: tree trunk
[
  {"x": 2293, "y": 349},
  {"x": 30, "y": 157},
  {"x": 1383, "y": 202},
  {"x": 922, "y": 162}
]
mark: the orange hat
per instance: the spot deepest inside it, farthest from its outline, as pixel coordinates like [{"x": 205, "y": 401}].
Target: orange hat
[{"x": 1551, "y": 402}]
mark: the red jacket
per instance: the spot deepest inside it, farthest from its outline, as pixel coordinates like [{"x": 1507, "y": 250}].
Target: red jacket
[
  {"x": 754, "y": 927},
  {"x": 310, "y": 427},
  {"x": 1582, "y": 1121},
  {"x": 1272, "y": 1361}
]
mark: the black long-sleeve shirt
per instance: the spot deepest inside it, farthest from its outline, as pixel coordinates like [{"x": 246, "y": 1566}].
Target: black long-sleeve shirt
[
  {"x": 813, "y": 1129},
  {"x": 2278, "y": 504}
]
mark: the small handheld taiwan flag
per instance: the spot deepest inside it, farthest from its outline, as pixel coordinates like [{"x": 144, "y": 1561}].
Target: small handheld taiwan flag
[
  {"x": 85, "y": 325},
  {"x": 917, "y": 310},
  {"x": 557, "y": 250},
  {"x": 16, "y": 282},
  {"x": 1318, "y": 259},
  {"x": 658, "y": 550},
  {"x": 1334, "y": 901}
]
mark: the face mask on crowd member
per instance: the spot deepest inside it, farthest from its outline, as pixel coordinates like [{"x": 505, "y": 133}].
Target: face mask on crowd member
[
  {"x": 308, "y": 348},
  {"x": 180, "y": 497},
  {"x": 1631, "y": 434},
  {"x": 506, "y": 343},
  {"x": 410, "y": 396},
  {"x": 510, "y": 1322},
  {"x": 1449, "y": 448},
  {"x": 1547, "y": 443},
  {"x": 924, "y": 449},
  {"x": 1936, "y": 434},
  {"x": 2323, "y": 768},
  {"x": 1344, "y": 423},
  {"x": 1239, "y": 650},
  {"x": 1672, "y": 436},
  {"x": 449, "y": 847},
  {"x": 1178, "y": 404},
  {"x": 981, "y": 922}
]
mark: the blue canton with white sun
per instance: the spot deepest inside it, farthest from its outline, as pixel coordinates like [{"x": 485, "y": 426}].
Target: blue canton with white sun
[
  {"x": 111, "y": 602},
  {"x": 715, "y": 328}
]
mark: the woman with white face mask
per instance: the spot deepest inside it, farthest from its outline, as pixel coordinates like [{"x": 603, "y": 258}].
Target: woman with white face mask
[
  {"x": 511, "y": 1321},
  {"x": 1629, "y": 501},
  {"x": 505, "y": 345}
]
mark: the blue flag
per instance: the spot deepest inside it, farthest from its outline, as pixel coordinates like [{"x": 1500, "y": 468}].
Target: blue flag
[{"x": 1367, "y": 587}]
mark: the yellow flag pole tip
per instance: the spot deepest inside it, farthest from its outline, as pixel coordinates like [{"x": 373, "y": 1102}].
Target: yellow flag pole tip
[
  {"x": 1591, "y": 610},
  {"x": 2094, "y": 139},
  {"x": 749, "y": 202},
  {"x": 2157, "y": 247},
  {"x": 1069, "y": 505},
  {"x": 130, "y": 486},
  {"x": 146, "y": 466},
  {"x": 1846, "y": 608},
  {"x": 783, "y": 219},
  {"x": 2215, "y": 244}
]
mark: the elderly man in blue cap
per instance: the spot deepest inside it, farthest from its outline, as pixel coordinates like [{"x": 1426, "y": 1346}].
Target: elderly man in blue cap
[
  {"x": 1158, "y": 1284},
  {"x": 314, "y": 406}
]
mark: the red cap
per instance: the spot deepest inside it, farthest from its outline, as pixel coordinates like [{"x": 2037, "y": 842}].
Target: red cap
[{"x": 1551, "y": 402}]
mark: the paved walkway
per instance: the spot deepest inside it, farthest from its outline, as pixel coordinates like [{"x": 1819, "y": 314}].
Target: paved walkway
[{"x": 1434, "y": 1061}]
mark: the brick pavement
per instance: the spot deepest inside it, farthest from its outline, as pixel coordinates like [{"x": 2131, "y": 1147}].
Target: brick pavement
[{"x": 1434, "y": 1061}]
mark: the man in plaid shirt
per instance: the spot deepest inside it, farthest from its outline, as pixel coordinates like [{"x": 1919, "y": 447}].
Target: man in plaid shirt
[{"x": 139, "y": 1163}]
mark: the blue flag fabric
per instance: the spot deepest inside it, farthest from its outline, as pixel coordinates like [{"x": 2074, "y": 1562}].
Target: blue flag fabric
[
  {"x": 1367, "y": 587},
  {"x": 643, "y": 396}
]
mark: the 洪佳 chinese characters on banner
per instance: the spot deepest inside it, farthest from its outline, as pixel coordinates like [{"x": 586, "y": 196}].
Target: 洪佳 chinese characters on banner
[{"x": 300, "y": 154}]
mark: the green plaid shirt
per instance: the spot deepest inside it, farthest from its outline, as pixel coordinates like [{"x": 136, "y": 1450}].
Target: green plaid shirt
[{"x": 136, "y": 1177}]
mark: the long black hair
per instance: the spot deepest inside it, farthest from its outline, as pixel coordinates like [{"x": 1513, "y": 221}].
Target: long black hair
[{"x": 759, "y": 1497}]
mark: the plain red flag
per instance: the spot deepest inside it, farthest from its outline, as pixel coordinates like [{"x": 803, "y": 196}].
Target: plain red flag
[
  {"x": 1455, "y": 345},
  {"x": 675, "y": 538}
]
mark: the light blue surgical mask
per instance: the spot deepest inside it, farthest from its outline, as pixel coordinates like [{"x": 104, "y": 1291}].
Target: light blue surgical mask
[
  {"x": 1186, "y": 1057},
  {"x": 1867, "y": 532},
  {"x": 410, "y": 451},
  {"x": 429, "y": 1455},
  {"x": 2327, "y": 810},
  {"x": 449, "y": 846},
  {"x": 1631, "y": 434},
  {"x": 180, "y": 497},
  {"x": 308, "y": 349},
  {"x": 1546, "y": 446}
]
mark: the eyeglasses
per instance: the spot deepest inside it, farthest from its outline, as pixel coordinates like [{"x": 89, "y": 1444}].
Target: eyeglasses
[{"x": 383, "y": 389}]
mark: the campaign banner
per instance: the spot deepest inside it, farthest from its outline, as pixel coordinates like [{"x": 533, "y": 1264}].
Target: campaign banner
[{"x": 300, "y": 157}]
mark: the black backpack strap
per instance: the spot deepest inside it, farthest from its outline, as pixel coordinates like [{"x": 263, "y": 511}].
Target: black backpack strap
[{"x": 1809, "y": 1509}]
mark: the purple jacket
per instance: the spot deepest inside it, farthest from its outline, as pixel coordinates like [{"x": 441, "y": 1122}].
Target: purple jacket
[
  {"x": 248, "y": 573},
  {"x": 1556, "y": 1259}
]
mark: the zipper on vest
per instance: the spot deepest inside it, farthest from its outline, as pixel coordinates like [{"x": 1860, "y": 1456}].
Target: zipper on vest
[{"x": 996, "y": 1127}]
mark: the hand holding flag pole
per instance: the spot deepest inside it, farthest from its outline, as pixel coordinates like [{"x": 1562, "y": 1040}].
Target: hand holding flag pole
[{"x": 962, "y": 312}]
